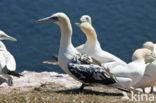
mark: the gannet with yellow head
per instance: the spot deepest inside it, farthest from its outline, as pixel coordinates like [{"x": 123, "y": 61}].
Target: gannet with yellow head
[{"x": 92, "y": 46}]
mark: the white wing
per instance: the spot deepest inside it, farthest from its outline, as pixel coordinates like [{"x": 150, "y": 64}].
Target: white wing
[
  {"x": 80, "y": 48},
  {"x": 2, "y": 61},
  {"x": 10, "y": 61},
  {"x": 129, "y": 74}
]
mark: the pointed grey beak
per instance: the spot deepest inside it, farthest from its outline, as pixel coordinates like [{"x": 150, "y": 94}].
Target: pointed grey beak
[
  {"x": 48, "y": 19},
  {"x": 151, "y": 56},
  {"x": 10, "y": 38},
  {"x": 77, "y": 24}
]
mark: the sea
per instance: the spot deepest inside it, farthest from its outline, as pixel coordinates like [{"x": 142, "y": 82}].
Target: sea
[{"x": 122, "y": 27}]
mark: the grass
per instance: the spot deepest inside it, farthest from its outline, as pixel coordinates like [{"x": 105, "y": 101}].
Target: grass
[{"x": 90, "y": 95}]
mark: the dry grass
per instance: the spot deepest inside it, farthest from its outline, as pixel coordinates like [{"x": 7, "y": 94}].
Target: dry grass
[{"x": 90, "y": 95}]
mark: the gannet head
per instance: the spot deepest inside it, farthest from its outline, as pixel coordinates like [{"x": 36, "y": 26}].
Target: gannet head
[
  {"x": 86, "y": 18},
  {"x": 4, "y": 36},
  {"x": 149, "y": 45},
  {"x": 145, "y": 54},
  {"x": 87, "y": 28},
  {"x": 57, "y": 18}
]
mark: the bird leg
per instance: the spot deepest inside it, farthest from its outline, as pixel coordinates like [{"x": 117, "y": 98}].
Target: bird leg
[
  {"x": 143, "y": 90},
  {"x": 151, "y": 90},
  {"x": 82, "y": 87},
  {"x": 8, "y": 79},
  {"x": 2, "y": 79}
]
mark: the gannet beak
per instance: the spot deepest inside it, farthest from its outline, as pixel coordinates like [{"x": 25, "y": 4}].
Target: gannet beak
[
  {"x": 77, "y": 24},
  {"x": 10, "y": 38},
  {"x": 48, "y": 19},
  {"x": 151, "y": 56}
]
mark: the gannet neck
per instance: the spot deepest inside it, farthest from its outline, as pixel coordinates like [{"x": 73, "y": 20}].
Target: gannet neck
[
  {"x": 91, "y": 39},
  {"x": 66, "y": 34},
  {"x": 89, "y": 32},
  {"x": 2, "y": 46}
]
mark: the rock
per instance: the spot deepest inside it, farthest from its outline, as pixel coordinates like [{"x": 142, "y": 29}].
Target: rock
[{"x": 36, "y": 81}]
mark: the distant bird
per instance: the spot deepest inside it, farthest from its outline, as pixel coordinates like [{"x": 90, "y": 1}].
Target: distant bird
[
  {"x": 7, "y": 61},
  {"x": 92, "y": 46},
  {"x": 80, "y": 66},
  {"x": 149, "y": 78}
]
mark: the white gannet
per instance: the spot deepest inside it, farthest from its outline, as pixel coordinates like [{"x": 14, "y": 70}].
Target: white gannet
[
  {"x": 80, "y": 66},
  {"x": 148, "y": 79},
  {"x": 92, "y": 46},
  {"x": 7, "y": 61},
  {"x": 129, "y": 75}
]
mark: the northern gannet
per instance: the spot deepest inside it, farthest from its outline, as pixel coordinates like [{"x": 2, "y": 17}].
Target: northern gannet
[
  {"x": 92, "y": 46},
  {"x": 131, "y": 74},
  {"x": 148, "y": 79},
  {"x": 80, "y": 66},
  {"x": 7, "y": 61}
]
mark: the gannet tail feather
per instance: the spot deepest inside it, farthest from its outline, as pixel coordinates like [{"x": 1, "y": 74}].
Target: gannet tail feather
[
  {"x": 55, "y": 57},
  {"x": 117, "y": 85},
  {"x": 54, "y": 62},
  {"x": 13, "y": 73},
  {"x": 77, "y": 24}
]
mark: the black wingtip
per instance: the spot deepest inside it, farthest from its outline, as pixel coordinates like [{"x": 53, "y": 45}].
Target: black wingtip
[
  {"x": 13, "y": 73},
  {"x": 55, "y": 57},
  {"x": 125, "y": 90}
]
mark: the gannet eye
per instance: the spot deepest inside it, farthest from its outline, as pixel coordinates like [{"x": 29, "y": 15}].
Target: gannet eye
[
  {"x": 54, "y": 18},
  {"x": 2, "y": 36},
  {"x": 87, "y": 19}
]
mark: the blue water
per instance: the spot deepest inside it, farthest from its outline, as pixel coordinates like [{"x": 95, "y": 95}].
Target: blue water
[{"x": 122, "y": 26}]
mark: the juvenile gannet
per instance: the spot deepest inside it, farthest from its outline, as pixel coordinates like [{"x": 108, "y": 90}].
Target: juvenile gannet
[
  {"x": 92, "y": 46},
  {"x": 7, "y": 61},
  {"x": 148, "y": 79},
  {"x": 129, "y": 75},
  {"x": 80, "y": 66}
]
